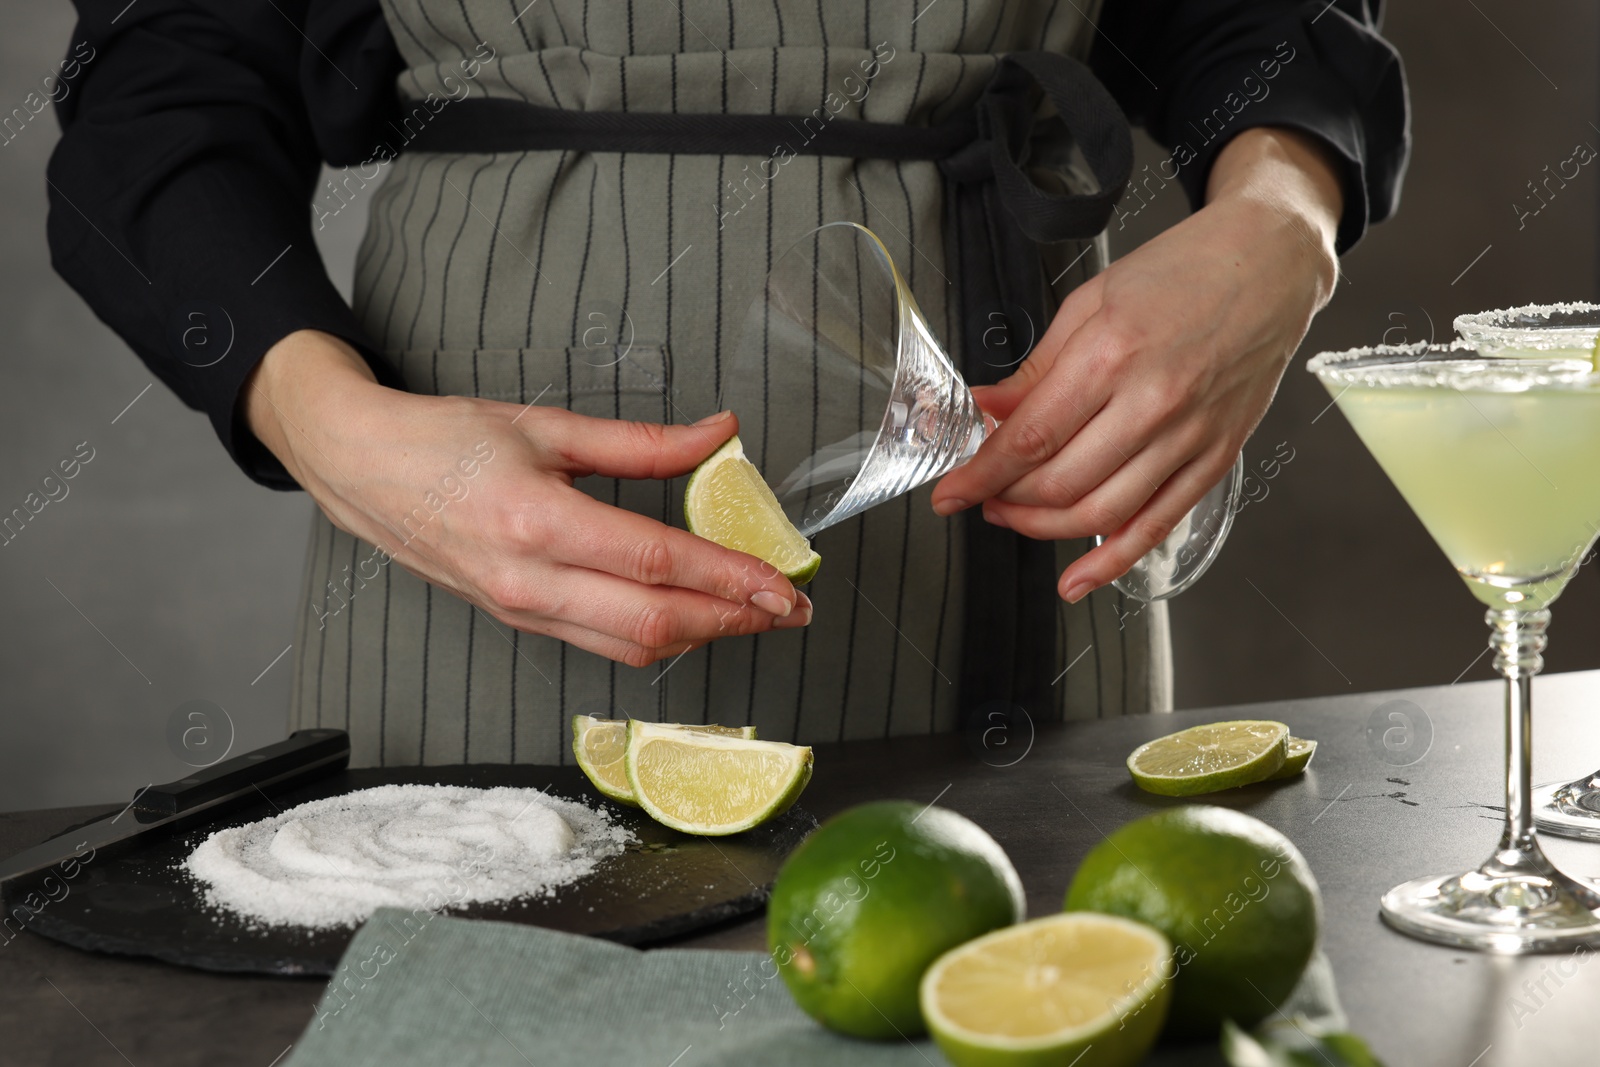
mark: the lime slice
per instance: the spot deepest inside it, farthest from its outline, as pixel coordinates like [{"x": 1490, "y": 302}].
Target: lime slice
[
  {"x": 711, "y": 785},
  {"x": 727, "y": 501},
  {"x": 601, "y": 744},
  {"x": 1204, "y": 759},
  {"x": 1076, "y": 988},
  {"x": 1300, "y": 753}
]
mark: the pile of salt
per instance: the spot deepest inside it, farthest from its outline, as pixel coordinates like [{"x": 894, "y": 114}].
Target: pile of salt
[{"x": 332, "y": 862}]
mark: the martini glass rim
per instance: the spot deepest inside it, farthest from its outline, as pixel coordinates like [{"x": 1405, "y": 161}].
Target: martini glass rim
[
  {"x": 1458, "y": 365},
  {"x": 1516, "y": 325}
]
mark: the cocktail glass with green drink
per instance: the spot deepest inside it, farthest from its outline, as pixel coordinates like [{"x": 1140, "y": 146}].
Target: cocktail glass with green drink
[{"x": 1496, "y": 455}]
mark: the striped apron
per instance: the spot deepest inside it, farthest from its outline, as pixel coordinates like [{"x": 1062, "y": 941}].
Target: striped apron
[{"x": 494, "y": 273}]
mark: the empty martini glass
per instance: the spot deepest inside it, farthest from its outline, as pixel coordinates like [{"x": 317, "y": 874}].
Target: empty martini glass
[
  {"x": 846, "y": 400},
  {"x": 1571, "y": 809},
  {"x": 1496, "y": 457}
]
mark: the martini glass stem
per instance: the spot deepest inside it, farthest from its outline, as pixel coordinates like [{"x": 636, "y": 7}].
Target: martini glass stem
[
  {"x": 1517, "y": 901},
  {"x": 1518, "y": 638}
]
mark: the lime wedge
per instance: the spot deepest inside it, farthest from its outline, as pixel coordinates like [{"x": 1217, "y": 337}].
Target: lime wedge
[
  {"x": 1204, "y": 759},
  {"x": 1594, "y": 354},
  {"x": 711, "y": 785},
  {"x": 727, "y": 501},
  {"x": 600, "y": 746},
  {"x": 1077, "y": 988},
  {"x": 1300, "y": 753}
]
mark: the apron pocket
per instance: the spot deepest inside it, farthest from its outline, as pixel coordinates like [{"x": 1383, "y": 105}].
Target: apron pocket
[{"x": 632, "y": 382}]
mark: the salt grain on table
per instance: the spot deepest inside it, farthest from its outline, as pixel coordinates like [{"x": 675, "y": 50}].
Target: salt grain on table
[{"x": 332, "y": 862}]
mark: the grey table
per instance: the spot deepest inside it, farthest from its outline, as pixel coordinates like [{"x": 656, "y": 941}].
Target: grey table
[{"x": 1385, "y": 800}]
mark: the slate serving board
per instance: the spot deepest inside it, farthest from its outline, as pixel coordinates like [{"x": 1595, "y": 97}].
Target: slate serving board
[{"x": 137, "y": 901}]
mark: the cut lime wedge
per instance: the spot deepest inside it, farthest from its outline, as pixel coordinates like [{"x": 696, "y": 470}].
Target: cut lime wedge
[
  {"x": 727, "y": 501},
  {"x": 1300, "y": 752},
  {"x": 1204, "y": 759},
  {"x": 711, "y": 785},
  {"x": 601, "y": 745},
  {"x": 1077, "y": 988}
]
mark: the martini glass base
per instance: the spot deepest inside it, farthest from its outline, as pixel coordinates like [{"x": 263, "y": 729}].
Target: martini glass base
[
  {"x": 1514, "y": 908},
  {"x": 1570, "y": 809}
]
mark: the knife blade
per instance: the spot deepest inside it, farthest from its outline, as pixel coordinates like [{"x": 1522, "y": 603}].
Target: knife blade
[{"x": 304, "y": 754}]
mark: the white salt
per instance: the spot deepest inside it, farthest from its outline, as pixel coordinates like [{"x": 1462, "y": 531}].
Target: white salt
[{"x": 332, "y": 862}]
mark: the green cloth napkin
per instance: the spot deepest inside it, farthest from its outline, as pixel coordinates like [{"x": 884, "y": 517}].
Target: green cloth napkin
[
  {"x": 466, "y": 993},
  {"x": 417, "y": 989}
]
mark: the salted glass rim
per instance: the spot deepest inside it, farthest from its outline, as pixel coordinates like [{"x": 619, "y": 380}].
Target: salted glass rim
[
  {"x": 1460, "y": 365},
  {"x": 1498, "y": 326}
]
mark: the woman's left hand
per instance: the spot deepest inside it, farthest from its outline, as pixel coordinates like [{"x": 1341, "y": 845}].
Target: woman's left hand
[{"x": 1139, "y": 396}]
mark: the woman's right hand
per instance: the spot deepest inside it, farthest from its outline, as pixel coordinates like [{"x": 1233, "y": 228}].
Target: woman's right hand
[{"x": 477, "y": 497}]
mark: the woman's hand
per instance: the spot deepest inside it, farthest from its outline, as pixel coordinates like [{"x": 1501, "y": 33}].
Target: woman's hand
[
  {"x": 476, "y": 496},
  {"x": 1143, "y": 390}
]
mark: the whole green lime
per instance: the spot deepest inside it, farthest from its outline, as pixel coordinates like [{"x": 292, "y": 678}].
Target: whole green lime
[
  {"x": 1233, "y": 895},
  {"x": 868, "y": 901}
]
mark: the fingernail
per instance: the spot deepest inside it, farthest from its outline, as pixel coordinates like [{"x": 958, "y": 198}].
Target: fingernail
[
  {"x": 1078, "y": 590},
  {"x": 949, "y": 506},
  {"x": 710, "y": 419},
  {"x": 772, "y": 603},
  {"x": 801, "y": 616},
  {"x": 994, "y": 518}
]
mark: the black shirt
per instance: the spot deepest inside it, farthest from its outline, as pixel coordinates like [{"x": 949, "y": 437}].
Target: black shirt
[{"x": 193, "y": 133}]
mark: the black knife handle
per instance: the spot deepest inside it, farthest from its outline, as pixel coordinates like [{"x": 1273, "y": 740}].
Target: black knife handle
[{"x": 301, "y": 754}]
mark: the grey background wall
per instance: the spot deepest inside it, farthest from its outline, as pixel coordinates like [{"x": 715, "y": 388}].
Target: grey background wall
[{"x": 165, "y": 577}]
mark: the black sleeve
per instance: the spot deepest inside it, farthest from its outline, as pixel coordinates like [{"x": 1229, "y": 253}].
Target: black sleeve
[
  {"x": 1196, "y": 72},
  {"x": 180, "y": 192}
]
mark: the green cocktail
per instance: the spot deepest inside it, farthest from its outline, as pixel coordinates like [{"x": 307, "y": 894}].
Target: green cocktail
[
  {"x": 1498, "y": 458},
  {"x": 1502, "y": 470}
]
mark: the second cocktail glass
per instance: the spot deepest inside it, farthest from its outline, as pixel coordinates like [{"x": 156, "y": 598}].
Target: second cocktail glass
[
  {"x": 1538, "y": 330},
  {"x": 1496, "y": 457},
  {"x": 1571, "y": 809},
  {"x": 846, "y": 400}
]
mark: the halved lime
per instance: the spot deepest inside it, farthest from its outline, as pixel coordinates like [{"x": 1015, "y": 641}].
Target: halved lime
[
  {"x": 1204, "y": 759},
  {"x": 711, "y": 785},
  {"x": 727, "y": 501},
  {"x": 1077, "y": 988},
  {"x": 600, "y": 746},
  {"x": 1300, "y": 752}
]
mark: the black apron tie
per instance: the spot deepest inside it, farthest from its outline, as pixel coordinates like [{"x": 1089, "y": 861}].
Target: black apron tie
[
  {"x": 999, "y": 216},
  {"x": 996, "y": 216}
]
